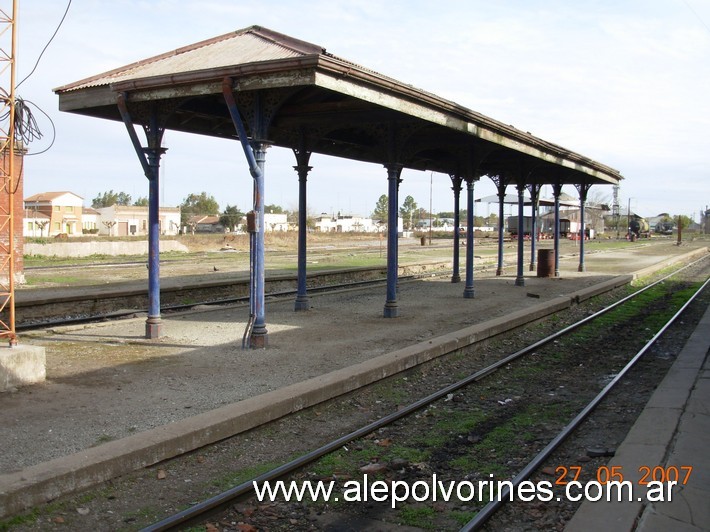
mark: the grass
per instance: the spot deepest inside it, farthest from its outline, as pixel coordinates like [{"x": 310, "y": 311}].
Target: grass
[
  {"x": 54, "y": 279},
  {"x": 418, "y": 516}
]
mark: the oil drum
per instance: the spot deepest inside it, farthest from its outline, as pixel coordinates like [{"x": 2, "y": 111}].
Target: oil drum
[{"x": 545, "y": 262}]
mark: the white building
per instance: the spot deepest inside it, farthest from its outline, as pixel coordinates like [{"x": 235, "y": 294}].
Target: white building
[
  {"x": 119, "y": 220},
  {"x": 52, "y": 214},
  {"x": 275, "y": 222},
  {"x": 90, "y": 221},
  {"x": 349, "y": 224}
]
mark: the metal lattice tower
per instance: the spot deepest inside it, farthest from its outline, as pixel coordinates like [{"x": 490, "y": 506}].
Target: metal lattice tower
[{"x": 8, "y": 46}]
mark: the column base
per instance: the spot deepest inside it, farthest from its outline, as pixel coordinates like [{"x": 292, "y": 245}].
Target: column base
[
  {"x": 259, "y": 338},
  {"x": 582, "y": 268},
  {"x": 468, "y": 292},
  {"x": 456, "y": 278},
  {"x": 302, "y": 303},
  {"x": 533, "y": 266},
  {"x": 520, "y": 281},
  {"x": 557, "y": 273},
  {"x": 499, "y": 272},
  {"x": 153, "y": 327},
  {"x": 391, "y": 309}
]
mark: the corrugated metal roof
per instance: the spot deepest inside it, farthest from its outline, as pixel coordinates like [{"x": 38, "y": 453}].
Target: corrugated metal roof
[
  {"x": 250, "y": 45},
  {"x": 49, "y": 196}
]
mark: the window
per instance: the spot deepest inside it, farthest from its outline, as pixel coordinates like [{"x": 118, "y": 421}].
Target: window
[
  {"x": 69, "y": 208},
  {"x": 57, "y": 208},
  {"x": 58, "y": 226}
]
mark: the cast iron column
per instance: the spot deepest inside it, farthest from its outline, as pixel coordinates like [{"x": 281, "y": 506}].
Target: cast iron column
[
  {"x": 259, "y": 332},
  {"x": 456, "y": 180},
  {"x": 302, "y": 157},
  {"x": 391, "y": 306},
  {"x": 582, "y": 189},
  {"x": 153, "y": 325},
  {"x": 501, "y": 226},
  {"x": 150, "y": 161},
  {"x": 534, "y": 194},
  {"x": 468, "y": 292},
  {"x": 520, "y": 279},
  {"x": 557, "y": 190}
]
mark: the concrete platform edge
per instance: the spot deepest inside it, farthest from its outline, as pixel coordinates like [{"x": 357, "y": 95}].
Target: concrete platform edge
[
  {"x": 49, "y": 480},
  {"x": 650, "y": 438}
]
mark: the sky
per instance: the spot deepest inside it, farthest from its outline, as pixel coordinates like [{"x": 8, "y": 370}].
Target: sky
[{"x": 624, "y": 82}]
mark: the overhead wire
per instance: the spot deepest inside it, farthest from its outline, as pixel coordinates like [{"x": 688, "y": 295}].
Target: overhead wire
[
  {"x": 46, "y": 45},
  {"x": 26, "y": 126}
]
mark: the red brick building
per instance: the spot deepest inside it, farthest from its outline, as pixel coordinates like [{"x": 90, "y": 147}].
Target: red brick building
[{"x": 16, "y": 194}]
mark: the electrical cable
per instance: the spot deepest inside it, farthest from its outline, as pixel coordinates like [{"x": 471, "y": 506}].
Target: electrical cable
[{"x": 46, "y": 45}]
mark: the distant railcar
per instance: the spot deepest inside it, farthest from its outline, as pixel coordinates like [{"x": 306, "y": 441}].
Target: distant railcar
[{"x": 638, "y": 227}]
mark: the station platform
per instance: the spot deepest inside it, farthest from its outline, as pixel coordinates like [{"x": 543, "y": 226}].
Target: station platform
[
  {"x": 671, "y": 434},
  {"x": 114, "y": 402}
]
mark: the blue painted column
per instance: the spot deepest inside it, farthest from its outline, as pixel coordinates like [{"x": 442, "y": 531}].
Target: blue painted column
[
  {"x": 391, "y": 306},
  {"x": 150, "y": 161},
  {"x": 302, "y": 168},
  {"x": 456, "y": 180},
  {"x": 534, "y": 194},
  {"x": 501, "y": 226},
  {"x": 582, "y": 189},
  {"x": 153, "y": 325},
  {"x": 520, "y": 279},
  {"x": 259, "y": 332},
  {"x": 557, "y": 190},
  {"x": 468, "y": 292}
]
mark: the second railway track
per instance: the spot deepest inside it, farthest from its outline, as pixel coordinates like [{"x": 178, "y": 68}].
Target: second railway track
[{"x": 470, "y": 433}]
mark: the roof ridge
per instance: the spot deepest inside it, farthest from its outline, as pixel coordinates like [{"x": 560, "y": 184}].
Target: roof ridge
[
  {"x": 286, "y": 41},
  {"x": 279, "y": 39}
]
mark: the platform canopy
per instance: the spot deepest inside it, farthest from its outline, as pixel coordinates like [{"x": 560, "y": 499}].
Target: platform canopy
[{"x": 311, "y": 99}]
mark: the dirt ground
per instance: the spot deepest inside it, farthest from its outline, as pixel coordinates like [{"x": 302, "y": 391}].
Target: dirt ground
[{"x": 105, "y": 382}]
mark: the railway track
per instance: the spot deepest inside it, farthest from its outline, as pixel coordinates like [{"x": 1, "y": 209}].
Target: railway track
[
  {"x": 92, "y": 307},
  {"x": 501, "y": 421}
]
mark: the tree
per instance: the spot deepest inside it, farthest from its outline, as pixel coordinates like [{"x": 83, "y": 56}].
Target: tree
[
  {"x": 141, "y": 202},
  {"x": 684, "y": 220},
  {"x": 273, "y": 209},
  {"x": 111, "y": 198},
  {"x": 231, "y": 217},
  {"x": 381, "y": 209},
  {"x": 109, "y": 225},
  {"x": 194, "y": 204},
  {"x": 407, "y": 211}
]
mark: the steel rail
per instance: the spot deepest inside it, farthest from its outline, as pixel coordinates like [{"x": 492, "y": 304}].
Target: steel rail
[
  {"x": 197, "y": 512},
  {"x": 489, "y": 509},
  {"x": 225, "y": 301}
]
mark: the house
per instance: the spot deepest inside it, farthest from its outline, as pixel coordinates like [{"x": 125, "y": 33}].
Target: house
[
  {"x": 200, "y": 223},
  {"x": 121, "y": 220},
  {"x": 35, "y": 224},
  {"x": 275, "y": 222},
  {"x": 347, "y": 223},
  {"x": 62, "y": 211},
  {"x": 90, "y": 221}
]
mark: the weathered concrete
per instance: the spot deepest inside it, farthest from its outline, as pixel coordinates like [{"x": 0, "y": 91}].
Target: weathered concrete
[
  {"x": 46, "y": 480},
  {"x": 21, "y": 365},
  {"x": 86, "y": 249}
]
